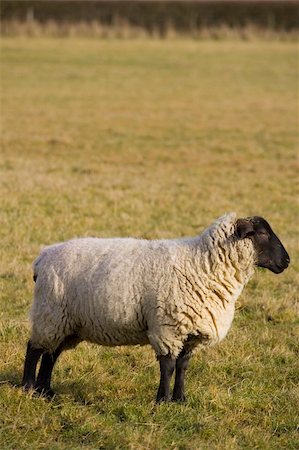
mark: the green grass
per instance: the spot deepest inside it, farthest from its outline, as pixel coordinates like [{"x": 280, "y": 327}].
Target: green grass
[{"x": 154, "y": 139}]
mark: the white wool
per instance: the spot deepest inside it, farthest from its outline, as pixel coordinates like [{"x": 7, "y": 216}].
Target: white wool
[{"x": 167, "y": 293}]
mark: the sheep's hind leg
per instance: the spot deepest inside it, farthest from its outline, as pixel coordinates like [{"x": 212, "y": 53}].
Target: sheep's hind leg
[
  {"x": 179, "y": 383},
  {"x": 43, "y": 382},
  {"x": 32, "y": 356},
  {"x": 167, "y": 365}
]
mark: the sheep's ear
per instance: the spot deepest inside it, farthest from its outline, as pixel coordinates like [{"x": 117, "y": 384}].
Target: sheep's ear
[{"x": 244, "y": 228}]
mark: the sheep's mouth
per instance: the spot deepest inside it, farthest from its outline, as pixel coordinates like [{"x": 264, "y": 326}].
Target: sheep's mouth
[
  {"x": 275, "y": 268},
  {"x": 278, "y": 268}
]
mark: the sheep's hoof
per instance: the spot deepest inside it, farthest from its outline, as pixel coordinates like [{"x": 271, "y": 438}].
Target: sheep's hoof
[
  {"x": 181, "y": 398},
  {"x": 28, "y": 387},
  {"x": 162, "y": 400},
  {"x": 44, "y": 392}
]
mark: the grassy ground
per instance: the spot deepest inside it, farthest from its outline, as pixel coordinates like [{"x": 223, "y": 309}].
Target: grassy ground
[{"x": 153, "y": 139}]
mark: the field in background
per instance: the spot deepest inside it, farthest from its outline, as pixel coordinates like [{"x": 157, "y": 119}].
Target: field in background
[
  {"x": 153, "y": 139},
  {"x": 203, "y": 19},
  {"x": 156, "y": 17},
  {"x": 121, "y": 29}
]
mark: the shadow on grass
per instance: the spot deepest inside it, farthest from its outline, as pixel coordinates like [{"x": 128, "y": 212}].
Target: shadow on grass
[
  {"x": 11, "y": 377},
  {"x": 74, "y": 391},
  {"x": 77, "y": 392}
]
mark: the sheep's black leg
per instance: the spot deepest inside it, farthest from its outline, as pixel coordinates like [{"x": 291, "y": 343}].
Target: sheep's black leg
[
  {"x": 43, "y": 381},
  {"x": 31, "y": 360},
  {"x": 179, "y": 384},
  {"x": 167, "y": 365}
]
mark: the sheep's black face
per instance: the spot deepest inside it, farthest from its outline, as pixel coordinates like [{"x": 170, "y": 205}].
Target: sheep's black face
[{"x": 271, "y": 254}]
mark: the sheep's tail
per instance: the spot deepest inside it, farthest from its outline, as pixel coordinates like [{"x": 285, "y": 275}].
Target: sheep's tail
[
  {"x": 37, "y": 261},
  {"x": 35, "y": 267}
]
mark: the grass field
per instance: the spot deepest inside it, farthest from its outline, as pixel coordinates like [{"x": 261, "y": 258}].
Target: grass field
[{"x": 155, "y": 139}]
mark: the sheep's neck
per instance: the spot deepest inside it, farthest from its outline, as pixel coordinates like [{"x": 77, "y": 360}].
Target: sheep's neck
[{"x": 224, "y": 270}]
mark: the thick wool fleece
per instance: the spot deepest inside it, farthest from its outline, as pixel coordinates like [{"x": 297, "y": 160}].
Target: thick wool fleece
[{"x": 167, "y": 293}]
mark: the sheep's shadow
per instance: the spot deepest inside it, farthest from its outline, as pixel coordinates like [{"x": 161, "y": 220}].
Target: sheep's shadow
[
  {"x": 79, "y": 393},
  {"x": 11, "y": 377},
  {"x": 73, "y": 391}
]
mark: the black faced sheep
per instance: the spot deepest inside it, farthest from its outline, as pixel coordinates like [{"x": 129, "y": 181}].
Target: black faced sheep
[{"x": 176, "y": 295}]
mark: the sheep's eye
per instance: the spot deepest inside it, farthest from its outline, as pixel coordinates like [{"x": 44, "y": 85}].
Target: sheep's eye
[{"x": 263, "y": 233}]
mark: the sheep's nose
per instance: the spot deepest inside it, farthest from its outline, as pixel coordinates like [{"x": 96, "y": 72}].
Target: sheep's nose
[{"x": 286, "y": 262}]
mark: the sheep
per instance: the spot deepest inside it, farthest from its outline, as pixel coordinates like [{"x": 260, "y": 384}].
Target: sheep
[{"x": 176, "y": 295}]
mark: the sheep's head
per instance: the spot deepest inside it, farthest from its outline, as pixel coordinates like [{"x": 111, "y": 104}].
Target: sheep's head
[{"x": 270, "y": 253}]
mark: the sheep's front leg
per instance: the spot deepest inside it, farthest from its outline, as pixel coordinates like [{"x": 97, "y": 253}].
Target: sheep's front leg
[
  {"x": 179, "y": 384},
  {"x": 167, "y": 365}
]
